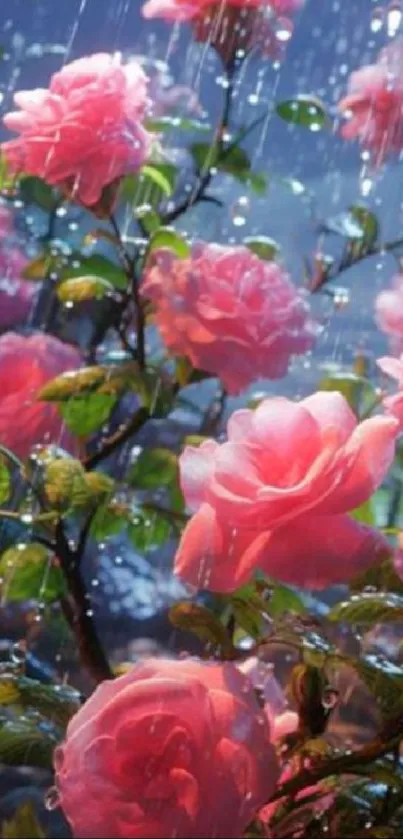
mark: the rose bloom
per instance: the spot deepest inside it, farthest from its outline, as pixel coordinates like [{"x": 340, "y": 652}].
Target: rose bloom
[
  {"x": 16, "y": 294},
  {"x": 373, "y": 106},
  {"x": 276, "y": 496},
  {"x": 171, "y": 749},
  {"x": 231, "y": 313},
  {"x": 233, "y": 25},
  {"x": 389, "y": 313},
  {"x": 26, "y": 364},
  {"x": 86, "y": 131}
]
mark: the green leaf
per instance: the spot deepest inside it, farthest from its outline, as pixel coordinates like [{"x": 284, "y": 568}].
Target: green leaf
[
  {"x": 163, "y": 124},
  {"x": 5, "y": 482},
  {"x": 34, "y": 190},
  {"x": 99, "y": 485},
  {"x": 111, "y": 380},
  {"x": 149, "y": 220},
  {"x": 263, "y": 247},
  {"x": 95, "y": 266},
  {"x": 369, "y": 608},
  {"x": 167, "y": 237},
  {"x": 380, "y": 576},
  {"x": 29, "y": 572},
  {"x": 158, "y": 177},
  {"x": 57, "y": 703},
  {"x": 358, "y": 392},
  {"x": 23, "y": 743},
  {"x": 154, "y": 468},
  {"x": 23, "y": 825},
  {"x": 284, "y": 599},
  {"x": 109, "y": 519},
  {"x": 368, "y": 223},
  {"x": 148, "y": 529},
  {"x": 79, "y": 289},
  {"x": 86, "y": 414},
  {"x": 306, "y": 111},
  {"x": 192, "y": 617},
  {"x": 385, "y": 681},
  {"x": 65, "y": 483},
  {"x": 236, "y": 162},
  {"x": 204, "y": 155}
]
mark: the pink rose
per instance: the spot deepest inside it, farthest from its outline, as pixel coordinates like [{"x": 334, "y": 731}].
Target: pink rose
[
  {"x": 229, "y": 312},
  {"x": 86, "y": 131},
  {"x": 276, "y": 496},
  {"x": 171, "y": 749},
  {"x": 26, "y": 364},
  {"x": 16, "y": 295},
  {"x": 389, "y": 313},
  {"x": 373, "y": 105},
  {"x": 239, "y": 25}
]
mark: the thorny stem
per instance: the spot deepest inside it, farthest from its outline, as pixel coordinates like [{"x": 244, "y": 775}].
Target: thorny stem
[
  {"x": 130, "y": 270},
  {"x": 349, "y": 763},
  {"x": 76, "y": 608},
  {"x": 118, "y": 438}
]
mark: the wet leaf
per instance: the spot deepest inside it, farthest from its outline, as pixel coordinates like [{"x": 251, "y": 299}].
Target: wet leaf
[
  {"x": 368, "y": 222},
  {"x": 263, "y": 247},
  {"x": 148, "y": 530},
  {"x": 5, "y": 482},
  {"x": 158, "y": 176},
  {"x": 381, "y": 576},
  {"x": 192, "y": 617},
  {"x": 28, "y": 572},
  {"x": 150, "y": 220},
  {"x": 23, "y": 743},
  {"x": 306, "y": 111},
  {"x": 34, "y": 190},
  {"x": 110, "y": 380},
  {"x": 154, "y": 468},
  {"x": 110, "y": 518},
  {"x": 369, "y": 608},
  {"x": 284, "y": 599},
  {"x": 167, "y": 237},
  {"x": 95, "y": 266},
  {"x": 163, "y": 124},
  {"x": 359, "y": 392},
  {"x": 38, "y": 268},
  {"x": 23, "y": 825},
  {"x": 57, "y": 703},
  {"x": 385, "y": 681},
  {"x": 86, "y": 414},
  {"x": 99, "y": 485},
  {"x": 79, "y": 289}
]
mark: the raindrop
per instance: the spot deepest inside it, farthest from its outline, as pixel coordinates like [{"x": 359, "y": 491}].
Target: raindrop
[
  {"x": 283, "y": 29},
  {"x": 377, "y": 19},
  {"x": 18, "y": 653},
  {"x": 393, "y": 18},
  {"x": 27, "y": 518},
  {"x": 240, "y": 210},
  {"x": 52, "y": 799}
]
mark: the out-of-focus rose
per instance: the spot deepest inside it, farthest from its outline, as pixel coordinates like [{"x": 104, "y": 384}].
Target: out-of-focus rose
[
  {"x": 237, "y": 25},
  {"x": 16, "y": 295},
  {"x": 373, "y": 106},
  {"x": 26, "y": 364},
  {"x": 86, "y": 131},
  {"x": 171, "y": 749},
  {"x": 393, "y": 405},
  {"x": 276, "y": 496},
  {"x": 231, "y": 313},
  {"x": 389, "y": 313}
]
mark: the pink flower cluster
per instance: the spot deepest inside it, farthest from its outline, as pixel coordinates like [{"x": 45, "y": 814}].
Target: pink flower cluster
[
  {"x": 143, "y": 755},
  {"x": 373, "y": 106},
  {"x": 26, "y": 364},
  {"x": 16, "y": 295},
  {"x": 231, "y": 313},
  {"x": 276, "y": 496},
  {"x": 86, "y": 131}
]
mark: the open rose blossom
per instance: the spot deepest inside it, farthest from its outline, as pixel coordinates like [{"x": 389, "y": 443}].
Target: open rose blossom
[
  {"x": 86, "y": 131},
  {"x": 373, "y": 106},
  {"x": 170, "y": 749},
  {"x": 26, "y": 364},
  {"x": 276, "y": 496},
  {"x": 393, "y": 405},
  {"x": 16, "y": 294},
  {"x": 232, "y": 26},
  {"x": 389, "y": 313},
  {"x": 231, "y": 313}
]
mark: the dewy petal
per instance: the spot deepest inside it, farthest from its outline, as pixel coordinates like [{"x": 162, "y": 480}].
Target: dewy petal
[
  {"x": 239, "y": 425},
  {"x": 331, "y": 410},
  {"x": 315, "y": 552},
  {"x": 196, "y": 466},
  {"x": 216, "y": 557},
  {"x": 370, "y": 450}
]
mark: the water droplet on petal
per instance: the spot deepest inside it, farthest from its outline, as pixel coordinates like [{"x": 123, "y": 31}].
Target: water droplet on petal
[{"x": 52, "y": 799}]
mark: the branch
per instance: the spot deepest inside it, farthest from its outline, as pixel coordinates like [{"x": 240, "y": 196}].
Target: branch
[
  {"x": 110, "y": 444},
  {"x": 130, "y": 270},
  {"x": 76, "y": 608}
]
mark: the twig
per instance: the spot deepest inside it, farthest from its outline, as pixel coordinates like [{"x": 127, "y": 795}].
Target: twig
[
  {"x": 130, "y": 270},
  {"x": 118, "y": 438}
]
